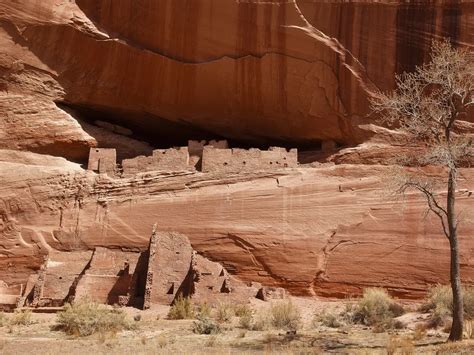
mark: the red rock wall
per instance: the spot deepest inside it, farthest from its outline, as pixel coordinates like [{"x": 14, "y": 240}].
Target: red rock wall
[{"x": 288, "y": 71}]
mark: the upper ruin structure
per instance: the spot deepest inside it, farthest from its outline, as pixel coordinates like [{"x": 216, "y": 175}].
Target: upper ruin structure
[{"x": 206, "y": 156}]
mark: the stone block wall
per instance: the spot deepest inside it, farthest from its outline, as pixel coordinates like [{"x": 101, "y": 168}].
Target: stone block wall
[
  {"x": 242, "y": 160},
  {"x": 169, "y": 264},
  {"x": 59, "y": 274},
  {"x": 102, "y": 160},
  {"x": 206, "y": 156},
  {"x": 196, "y": 149},
  {"x": 109, "y": 277},
  {"x": 9, "y": 296},
  {"x": 174, "y": 159}
]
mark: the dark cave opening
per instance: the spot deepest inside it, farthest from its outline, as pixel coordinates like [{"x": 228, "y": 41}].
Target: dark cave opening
[{"x": 133, "y": 133}]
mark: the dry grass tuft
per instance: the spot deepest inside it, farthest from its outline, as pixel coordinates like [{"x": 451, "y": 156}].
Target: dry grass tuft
[
  {"x": 420, "y": 331},
  {"x": 203, "y": 310},
  {"x": 206, "y": 326},
  {"x": 469, "y": 329},
  {"x": 3, "y": 319},
  {"x": 21, "y": 317},
  {"x": 87, "y": 318},
  {"x": 400, "y": 345},
  {"x": 211, "y": 341},
  {"x": 224, "y": 312},
  {"x": 246, "y": 321},
  {"x": 242, "y": 310},
  {"x": 182, "y": 308},
  {"x": 376, "y": 308},
  {"x": 162, "y": 341},
  {"x": 440, "y": 302},
  {"x": 285, "y": 315},
  {"x": 329, "y": 320}
]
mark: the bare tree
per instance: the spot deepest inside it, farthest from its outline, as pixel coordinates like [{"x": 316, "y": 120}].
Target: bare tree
[{"x": 432, "y": 105}]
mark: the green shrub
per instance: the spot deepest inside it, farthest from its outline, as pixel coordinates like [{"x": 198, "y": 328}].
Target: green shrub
[
  {"x": 182, "y": 308},
  {"x": 21, "y": 317},
  {"x": 206, "y": 326},
  {"x": 285, "y": 315},
  {"x": 440, "y": 301},
  {"x": 87, "y": 318},
  {"x": 376, "y": 308}
]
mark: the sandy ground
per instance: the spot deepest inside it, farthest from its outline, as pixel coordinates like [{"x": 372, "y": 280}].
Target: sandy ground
[{"x": 157, "y": 335}]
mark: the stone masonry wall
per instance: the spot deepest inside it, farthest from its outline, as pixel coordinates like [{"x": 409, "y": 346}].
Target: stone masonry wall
[
  {"x": 168, "y": 266},
  {"x": 173, "y": 159},
  {"x": 241, "y": 160},
  {"x": 196, "y": 149},
  {"x": 102, "y": 160}
]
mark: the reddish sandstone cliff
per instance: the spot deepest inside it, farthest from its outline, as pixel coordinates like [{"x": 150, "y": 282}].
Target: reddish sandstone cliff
[
  {"x": 287, "y": 70},
  {"x": 278, "y": 71}
]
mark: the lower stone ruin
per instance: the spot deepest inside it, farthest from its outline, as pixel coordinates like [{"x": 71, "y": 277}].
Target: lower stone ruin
[{"x": 169, "y": 268}]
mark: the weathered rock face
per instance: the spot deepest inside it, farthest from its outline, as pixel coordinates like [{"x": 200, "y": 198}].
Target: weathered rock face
[
  {"x": 86, "y": 73},
  {"x": 329, "y": 230}
]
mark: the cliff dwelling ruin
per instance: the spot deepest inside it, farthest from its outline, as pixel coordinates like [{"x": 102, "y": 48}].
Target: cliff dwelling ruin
[
  {"x": 156, "y": 276},
  {"x": 205, "y": 156}
]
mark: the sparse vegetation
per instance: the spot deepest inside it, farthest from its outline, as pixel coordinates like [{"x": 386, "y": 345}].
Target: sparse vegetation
[
  {"x": 285, "y": 315},
  {"x": 258, "y": 333},
  {"x": 246, "y": 321},
  {"x": 204, "y": 310},
  {"x": 420, "y": 331},
  {"x": 469, "y": 329},
  {"x": 400, "y": 345},
  {"x": 3, "y": 319},
  {"x": 261, "y": 321},
  {"x": 87, "y": 318},
  {"x": 440, "y": 303},
  {"x": 211, "y": 341},
  {"x": 206, "y": 326},
  {"x": 376, "y": 308},
  {"x": 242, "y": 310},
  {"x": 162, "y": 341},
  {"x": 329, "y": 320},
  {"x": 21, "y": 317},
  {"x": 182, "y": 308},
  {"x": 224, "y": 312}
]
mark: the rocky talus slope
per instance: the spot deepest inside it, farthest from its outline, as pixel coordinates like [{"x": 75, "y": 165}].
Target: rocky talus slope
[{"x": 74, "y": 73}]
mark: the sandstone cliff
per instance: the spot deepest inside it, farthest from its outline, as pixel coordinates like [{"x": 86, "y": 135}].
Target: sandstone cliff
[{"x": 295, "y": 72}]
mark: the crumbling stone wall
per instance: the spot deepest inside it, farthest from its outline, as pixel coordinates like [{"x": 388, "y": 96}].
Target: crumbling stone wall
[
  {"x": 102, "y": 160},
  {"x": 174, "y": 159},
  {"x": 169, "y": 266},
  {"x": 59, "y": 274},
  {"x": 9, "y": 296},
  {"x": 109, "y": 277},
  {"x": 207, "y": 156},
  {"x": 241, "y": 160},
  {"x": 196, "y": 149}
]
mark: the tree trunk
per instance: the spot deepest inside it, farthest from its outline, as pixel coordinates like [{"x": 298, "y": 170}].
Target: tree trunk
[{"x": 458, "y": 308}]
